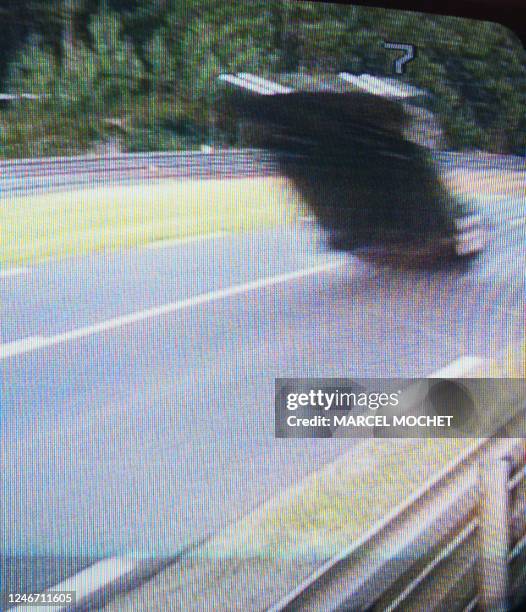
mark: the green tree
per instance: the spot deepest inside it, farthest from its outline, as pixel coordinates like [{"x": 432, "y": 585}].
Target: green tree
[{"x": 146, "y": 72}]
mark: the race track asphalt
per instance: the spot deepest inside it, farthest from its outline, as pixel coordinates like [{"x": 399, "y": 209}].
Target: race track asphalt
[{"x": 138, "y": 385}]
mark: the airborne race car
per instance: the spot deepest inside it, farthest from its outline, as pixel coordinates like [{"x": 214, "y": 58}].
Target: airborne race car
[{"x": 360, "y": 151}]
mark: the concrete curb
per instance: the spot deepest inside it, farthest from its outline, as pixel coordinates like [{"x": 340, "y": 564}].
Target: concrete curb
[{"x": 99, "y": 583}]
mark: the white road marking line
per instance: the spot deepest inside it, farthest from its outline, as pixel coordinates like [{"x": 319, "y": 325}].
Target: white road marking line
[
  {"x": 25, "y": 345},
  {"x": 161, "y": 244},
  {"x": 37, "y": 342},
  {"x": 13, "y": 272}
]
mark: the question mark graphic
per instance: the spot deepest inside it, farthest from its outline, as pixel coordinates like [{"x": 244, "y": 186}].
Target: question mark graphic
[{"x": 409, "y": 54}]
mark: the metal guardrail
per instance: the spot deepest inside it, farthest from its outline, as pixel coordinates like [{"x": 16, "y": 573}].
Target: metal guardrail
[
  {"x": 459, "y": 543},
  {"x": 7, "y": 97},
  {"x": 26, "y": 176},
  {"x": 51, "y": 174},
  {"x": 45, "y": 165},
  {"x": 181, "y": 159},
  {"x": 481, "y": 161}
]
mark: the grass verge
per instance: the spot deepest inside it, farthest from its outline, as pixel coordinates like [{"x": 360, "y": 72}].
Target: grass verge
[{"x": 74, "y": 223}]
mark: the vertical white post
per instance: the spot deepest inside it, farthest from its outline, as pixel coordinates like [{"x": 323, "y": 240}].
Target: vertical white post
[{"x": 493, "y": 538}]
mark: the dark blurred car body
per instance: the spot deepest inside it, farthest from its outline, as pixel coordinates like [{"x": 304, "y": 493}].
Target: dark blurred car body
[{"x": 364, "y": 164}]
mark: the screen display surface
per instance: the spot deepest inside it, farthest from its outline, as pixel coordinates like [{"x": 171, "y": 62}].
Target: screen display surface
[{"x": 222, "y": 221}]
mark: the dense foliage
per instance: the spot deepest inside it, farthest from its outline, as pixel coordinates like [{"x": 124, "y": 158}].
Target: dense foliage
[{"x": 141, "y": 75}]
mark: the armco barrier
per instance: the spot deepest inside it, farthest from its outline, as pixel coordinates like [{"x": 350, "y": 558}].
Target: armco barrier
[
  {"x": 214, "y": 157},
  {"x": 22, "y": 176},
  {"x": 183, "y": 159},
  {"x": 19, "y": 177},
  {"x": 49, "y": 174},
  {"x": 459, "y": 543}
]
